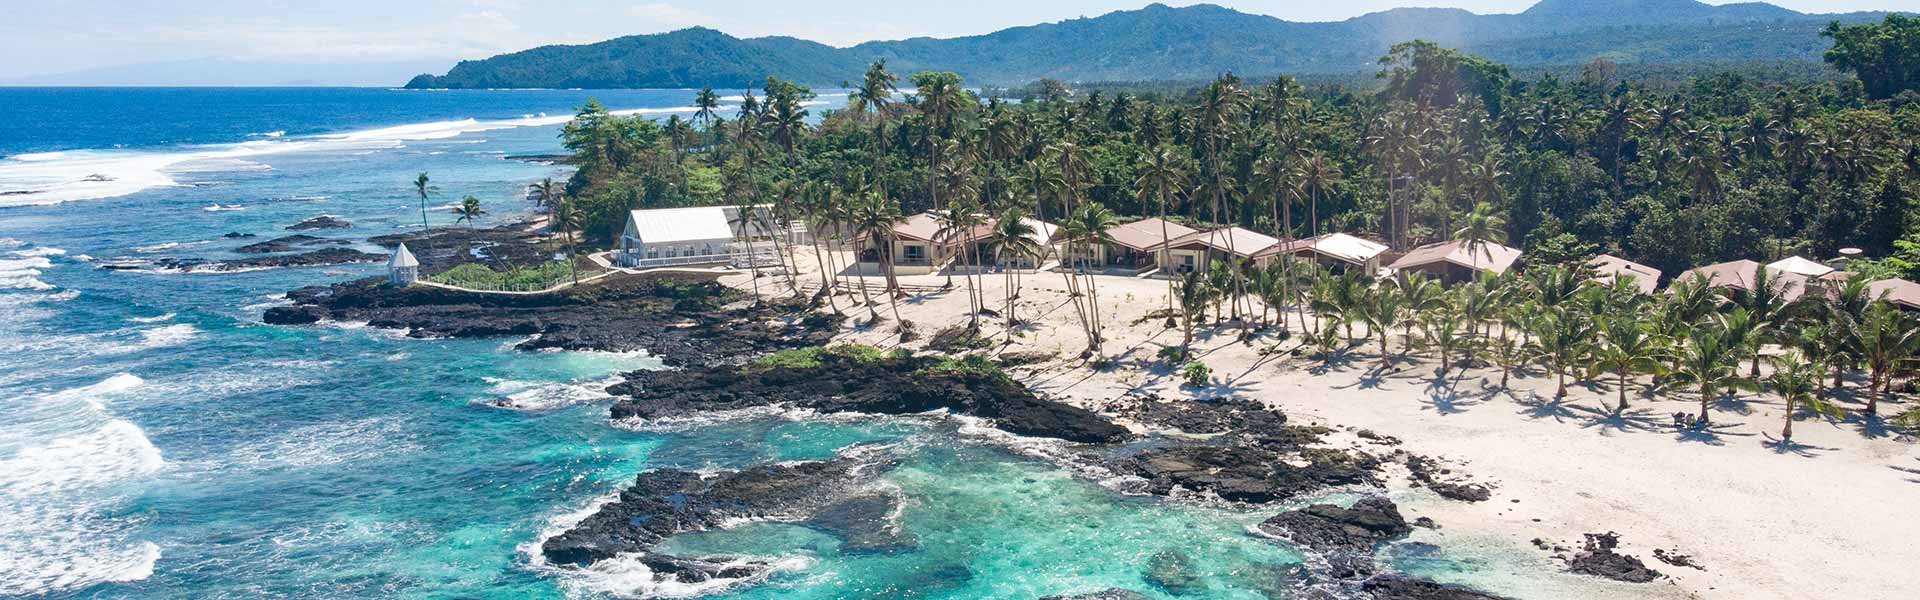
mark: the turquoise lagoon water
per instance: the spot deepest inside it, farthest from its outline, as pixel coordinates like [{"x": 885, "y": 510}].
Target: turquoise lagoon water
[{"x": 157, "y": 441}]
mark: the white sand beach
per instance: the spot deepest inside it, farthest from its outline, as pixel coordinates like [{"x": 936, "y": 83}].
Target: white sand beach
[{"x": 1818, "y": 519}]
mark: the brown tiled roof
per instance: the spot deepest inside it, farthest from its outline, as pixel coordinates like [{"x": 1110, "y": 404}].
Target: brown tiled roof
[
  {"x": 1488, "y": 256},
  {"x": 1144, "y": 234},
  {"x": 1243, "y": 242},
  {"x": 1902, "y": 293},
  {"x": 1607, "y": 268}
]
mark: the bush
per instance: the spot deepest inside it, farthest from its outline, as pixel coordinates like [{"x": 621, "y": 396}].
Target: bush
[
  {"x": 520, "y": 279},
  {"x": 1198, "y": 374},
  {"x": 813, "y": 357}
]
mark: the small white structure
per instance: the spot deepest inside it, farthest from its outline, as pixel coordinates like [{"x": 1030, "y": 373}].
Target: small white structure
[
  {"x": 402, "y": 268},
  {"x": 698, "y": 235},
  {"x": 1335, "y": 250}
]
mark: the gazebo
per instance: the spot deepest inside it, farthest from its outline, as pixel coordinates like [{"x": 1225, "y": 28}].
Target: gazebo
[{"x": 402, "y": 268}]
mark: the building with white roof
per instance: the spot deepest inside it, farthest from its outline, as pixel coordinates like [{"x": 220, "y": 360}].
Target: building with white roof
[
  {"x": 695, "y": 235},
  {"x": 1335, "y": 250}
]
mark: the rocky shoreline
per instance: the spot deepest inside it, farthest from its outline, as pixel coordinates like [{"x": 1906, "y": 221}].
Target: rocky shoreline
[
  {"x": 684, "y": 320},
  {"x": 1229, "y": 450}
]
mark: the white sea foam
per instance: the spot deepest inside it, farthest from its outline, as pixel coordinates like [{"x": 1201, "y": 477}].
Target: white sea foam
[
  {"x": 222, "y": 207},
  {"x": 522, "y": 395},
  {"x": 625, "y": 576},
  {"x": 327, "y": 444},
  {"x": 24, "y": 273},
  {"x": 270, "y": 134},
  {"x": 40, "y": 251},
  {"x": 43, "y": 178},
  {"x": 152, "y": 319},
  {"x": 66, "y": 461}
]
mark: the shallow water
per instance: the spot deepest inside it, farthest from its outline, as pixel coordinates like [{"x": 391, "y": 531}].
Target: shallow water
[{"x": 159, "y": 442}]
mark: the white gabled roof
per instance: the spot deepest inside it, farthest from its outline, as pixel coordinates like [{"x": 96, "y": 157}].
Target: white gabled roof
[
  {"x": 1348, "y": 248},
  {"x": 668, "y": 225},
  {"x": 1800, "y": 266},
  {"x": 402, "y": 258}
]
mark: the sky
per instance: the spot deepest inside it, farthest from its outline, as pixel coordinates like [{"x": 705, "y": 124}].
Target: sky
[{"x": 41, "y": 37}]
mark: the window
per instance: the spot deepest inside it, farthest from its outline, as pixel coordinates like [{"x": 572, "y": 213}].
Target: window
[
  {"x": 914, "y": 251},
  {"x": 1186, "y": 263}
]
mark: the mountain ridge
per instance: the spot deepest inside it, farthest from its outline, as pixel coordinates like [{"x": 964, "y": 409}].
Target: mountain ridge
[{"x": 1159, "y": 42}]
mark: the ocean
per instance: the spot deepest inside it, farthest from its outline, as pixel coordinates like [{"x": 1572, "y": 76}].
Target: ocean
[{"x": 158, "y": 441}]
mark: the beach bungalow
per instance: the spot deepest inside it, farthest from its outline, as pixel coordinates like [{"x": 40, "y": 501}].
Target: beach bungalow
[
  {"x": 692, "y": 236},
  {"x": 1191, "y": 252},
  {"x": 918, "y": 248},
  {"x": 1131, "y": 246},
  {"x": 1607, "y": 268},
  {"x": 1337, "y": 251},
  {"x": 1797, "y": 274},
  {"x": 1453, "y": 262},
  {"x": 1902, "y": 293}
]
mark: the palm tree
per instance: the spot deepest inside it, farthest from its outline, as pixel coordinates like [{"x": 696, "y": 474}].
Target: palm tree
[
  {"x": 1089, "y": 225},
  {"x": 1797, "y": 381},
  {"x": 1710, "y": 361},
  {"x": 469, "y": 209},
  {"x": 1382, "y": 311},
  {"x": 1561, "y": 336},
  {"x": 1482, "y": 227},
  {"x": 1012, "y": 239},
  {"x": 420, "y": 187},
  {"x": 1627, "y": 346},
  {"x": 1193, "y": 294},
  {"x": 874, "y": 217},
  {"x": 548, "y": 192},
  {"x": 1886, "y": 341},
  {"x": 958, "y": 224},
  {"x": 568, "y": 218},
  {"x": 874, "y": 95},
  {"x": 817, "y": 205},
  {"x": 1442, "y": 328},
  {"x": 1318, "y": 176},
  {"x": 939, "y": 96},
  {"x": 705, "y": 101},
  {"x": 1767, "y": 305},
  {"x": 1159, "y": 177}
]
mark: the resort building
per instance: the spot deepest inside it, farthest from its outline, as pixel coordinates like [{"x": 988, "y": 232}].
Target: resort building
[
  {"x": 1454, "y": 262},
  {"x": 1131, "y": 248},
  {"x": 919, "y": 246},
  {"x": 695, "y": 236},
  {"x": 1797, "y": 275},
  {"x": 1902, "y": 293},
  {"x": 1607, "y": 268},
  {"x": 1192, "y": 251},
  {"x": 1336, "y": 251},
  {"x": 402, "y": 268}
]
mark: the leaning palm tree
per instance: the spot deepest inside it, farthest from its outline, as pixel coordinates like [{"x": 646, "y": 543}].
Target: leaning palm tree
[
  {"x": 1627, "y": 346},
  {"x": 1089, "y": 225},
  {"x": 959, "y": 225},
  {"x": 421, "y": 188},
  {"x": 1797, "y": 381},
  {"x": 874, "y": 217},
  {"x": 469, "y": 209},
  {"x": 547, "y": 192}
]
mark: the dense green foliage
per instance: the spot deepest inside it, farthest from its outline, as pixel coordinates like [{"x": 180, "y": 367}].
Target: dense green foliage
[
  {"x": 1886, "y": 55},
  {"x": 1162, "y": 43},
  {"x": 476, "y": 276}
]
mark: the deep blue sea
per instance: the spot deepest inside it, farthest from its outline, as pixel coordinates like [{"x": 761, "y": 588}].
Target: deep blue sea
[{"x": 158, "y": 441}]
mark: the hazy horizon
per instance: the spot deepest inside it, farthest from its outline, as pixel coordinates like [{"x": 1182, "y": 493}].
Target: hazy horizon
[{"x": 357, "y": 42}]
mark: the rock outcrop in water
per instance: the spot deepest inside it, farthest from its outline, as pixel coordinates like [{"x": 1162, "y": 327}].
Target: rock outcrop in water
[
  {"x": 827, "y": 495},
  {"x": 844, "y": 381},
  {"x": 320, "y": 222},
  {"x": 1401, "y": 587},
  {"x": 313, "y": 258},
  {"x": 682, "y": 319},
  {"x": 289, "y": 243},
  {"x": 1345, "y": 537}
]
